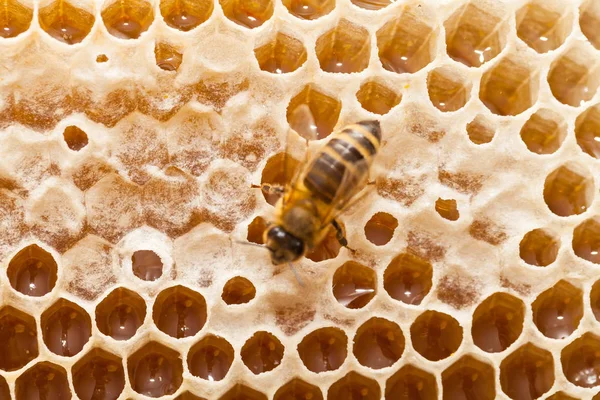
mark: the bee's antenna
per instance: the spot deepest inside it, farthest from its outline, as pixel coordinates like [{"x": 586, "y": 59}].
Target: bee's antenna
[
  {"x": 296, "y": 274},
  {"x": 249, "y": 243}
]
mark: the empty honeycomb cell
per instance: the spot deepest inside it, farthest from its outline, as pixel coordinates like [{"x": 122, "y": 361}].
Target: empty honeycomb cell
[
  {"x": 98, "y": 375},
  {"x": 544, "y": 131},
  {"x": 448, "y": 90},
  {"x": 543, "y": 28},
  {"x": 279, "y": 170},
  {"x": 569, "y": 190},
  {"x": 509, "y": 87},
  {"x": 354, "y": 386},
  {"x": 185, "y": 15},
  {"x": 560, "y": 396},
  {"x": 120, "y": 314},
  {"x": 18, "y": 339},
  {"x": 167, "y": 57},
  {"x": 498, "y": 322},
  {"x": 574, "y": 76},
  {"x": 436, "y": 335},
  {"x": 210, "y": 358},
  {"x": 586, "y": 240},
  {"x": 480, "y": 130},
  {"x": 595, "y": 300},
  {"x": 558, "y": 310},
  {"x": 380, "y": 229},
  {"x": 75, "y": 138},
  {"x": 155, "y": 370},
  {"x": 146, "y": 265},
  {"x": 587, "y": 131},
  {"x": 128, "y": 19},
  {"x": 5, "y": 391},
  {"x": 527, "y": 373},
  {"x": 581, "y": 361},
  {"x": 447, "y": 209},
  {"x": 344, "y": 49},
  {"x": 263, "y": 352},
  {"x": 250, "y": 14},
  {"x": 238, "y": 290},
  {"x": 539, "y": 247},
  {"x": 281, "y": 55},
  {"x": 378, "y": 343},
  {"x": 188, "y": 396},
  {"x": 44, "y": 380},
  {"x": 324, "y": 349},
  {"x": 406, "y": 44},
  {"x": 297, "y": 389},
  {"x": 15, "y": 18},
  {"x": 469, "y": 378},
  {"x": 33, "y": 271},
  {"x": 589, "y": 18},
  {"x": 354, "y": 285},
  {"x": 66, "y": 328},
  {"x": 309, "y": 9},
  {"x": 408, "y": 278},
  {"x": 377, "y": 98},
  {"x": 325, "y": 110},
  {"x": 65, "y": 22},
  {"x": 179, "y": 312},
  {"x": 242, "y": 392},
  {"x": 256, "y": 229},
  {"x": 411, "y": 383}
]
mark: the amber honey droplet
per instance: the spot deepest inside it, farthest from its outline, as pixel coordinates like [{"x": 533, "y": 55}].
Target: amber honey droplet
[
  {"x": 587, "y": 131},
  {"x": 18, "y": 339},
  {"x": 128, "y": 19},
  {"x": 542, "y": 28},
  {"x": 558, "y": 310},
  {"x": 66, "y": 328},
  {"x": 146, "y": 265},
  {"x": 211, "y": 358},
  {"x": 411, "y": 383},
  {"x": 527, "y": 373},
  {"x": 179, "y": 312},
  {"x": 354, "y": 285},
  {"x": 586, "y": 240},
  {"x": 238, "y": 290},
  {"x": 561, "y": 396},
  {"x": 448, "y": 91},
  {"x": 15, "y": 18},
  {"x": 102, "y": 58},
  {"x": 309, "y": 9},
  {"x": 480, "y": 130},
  {"x": 256, "y": 229},
  {"x": 436, "y": 335},
  {"x": 544, "y": 132},
  {"x": 75, "y": 138},
  {"x": 595, "y": 300},
  {"x": 5, "y": 391},
  {"x": 354, "y": 386},
  {"x": 279, "y": 170},
  {"x": 185, "y": 15},
  {"x": 263, "y": 352},
  {"x": 188, "y": 396},
  {"x": 324, "y": 349},
  {"x": 572, "y": 78},
  {"x": 408, "y": 278},
  {"x": 33, "y": 271},
  {"x": 539, "y": 247},
  {"x": 581, "y": 361},
  {"x": 65, "y": 22},
  {"x": 98, "y": 375},
  {"x": 569, "y": 190},
  {"x": 344, "y": 49},
  {"x": 324, "y": 109},
  {"x": 155, "y": 370},
  {"x": 120, "y": 314},
  {"x": 372, "y": 4},
  {"x": 447, "y": 209},
  {"x": 243, "y": 392},
  {"x": 43, "y": 381},
  {"x": 167, "y": 57},
  {"x": 589, "y": 18},
  {"x": 379, "y": 230},
  {"x": 281, "y": 55},
  {"x": 498, "y": 322},
  {"x": 377, "y": 98},
  {"x": 248, "y": 13},
  {"x": 469, "y": 378},
  {"x": 378, "y": 343},
  {"x": 297, "y": 389}
]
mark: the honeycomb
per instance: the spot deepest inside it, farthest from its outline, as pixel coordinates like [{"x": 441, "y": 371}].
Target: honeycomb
[{"x": 133, "y": 135}]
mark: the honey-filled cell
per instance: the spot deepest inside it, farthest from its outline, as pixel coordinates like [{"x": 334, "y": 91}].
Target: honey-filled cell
[
  {"x": 15, "y": 18},
  {"x": 309, "y": 9},
  {"x": 98, "y": 375},
  {"x": 469, "y": 378},
  {"x": 325, "y": 110},
  {"x": 539, "y": 247},
  {"x": 411, "y": 383},
  {"x": 379, "y": 230},
  {"x": 18, "y": 339},
  {"x": 408, "y": 278},
  {"x": 256, "y": 229},
  {"x": 242, "y": 392},
  {"x": 185, "y": 15},
  {"x": 167, "y": 57},
  {"x": 297, "y": 389},
  {"x": 281, "y": 55},
  {"x": 344, "y": 49},
  {"x": 120, "y": 314},
  {"x": 595, "y": 300},
  {"x": 75, "y": 138},
  {"x": 569, "y": 190},
  {"x": 210, "y": 358},
  {"x": 262, "y": 352},
  {"x": 377, "y": 98},
  {"x": 587, "y": 131},
  {"x": 447, "y": 209},
  {"x": 248, "y": 13},
  {"x": 448, "y": 90},
  {"x": 179, "y": 312},
  {"x": 436, "y": 335},
  {"x": 66, "y": 328},
  {"x": 155, "y": 370},
  {"x": 498, "y": 322},
  {"x": 33, "y": 271},
  {"x": 146, "y": 265},
  {"x": 188, "y": 396},
  {"x": 354, "y": 386},
  {"x": 372, "y": 4},
  {"x": 65, "y": 22},
  {"x": 527, "y": 373},
  {"x": 238, "y": 290},
  {"x": 542, "y": 27},
  {"x": 354, "y": 285},
  {"x": 5, "y": 390},
  {"x": 544, "y": 132},
  {"x": 480, "y": 130},
  {"x": 323, "y": 350},
  {"x": 561, "y": 396},
  {"x": 581, "y": 361},
  {"x": 586, "y": 240},
  {"x": 378, "y": 343},
  {"x": 44, "y": 380},
  {"x": 589, "y": 18},
  {"x": 558, "y": 310},
  {"x": 128, "y": 19},
  {"x": 574, "y": 76}
]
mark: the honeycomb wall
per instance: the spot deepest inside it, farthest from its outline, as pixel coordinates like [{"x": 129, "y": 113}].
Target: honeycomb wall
[{"x": 131, "y": 133}]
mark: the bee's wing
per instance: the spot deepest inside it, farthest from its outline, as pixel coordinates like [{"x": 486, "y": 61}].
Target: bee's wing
[{"x": 302, "y": 121}]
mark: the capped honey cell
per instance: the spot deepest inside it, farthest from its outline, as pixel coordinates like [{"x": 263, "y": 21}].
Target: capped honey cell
[
  {"x": 539, "y": 247},
  {"x": 378, "y": 343},
  {"x": 238, "y": 290},
  {"x": 436, "y": 335},
  {"x": 587, "y": 131},
  {"x": 18, "y": 339},
  {"x": 377, "y": 98},
  {"x": 75, "y": 138},
  {"x": 99, "y": 375},
  {"x": 558, "y": 310},
  {"x": 325, "y": 110},
  {"x": 179, "y": 312},
  {"x": 210, "y": 358},
  {"x": 281, "y": 55},
  {"x": 15, "y": 18},
  {"x": 66, "y": 328},
  {"x": 354, "y": 386},
  {"x": 344, "y": 49},
  {"x": 469, "y": 378},
  {"x": 581, "y": 361},
  {"x": 448, "y": 90},
  {"x": 44, "y": 380},
  {"x": 324, "y": 349},
  {"x": 411, "y": 383},
  {"x": 146, "y": 265},
  {"x": 527, "y": 373},
  {"x": 185, "y": 15},
  {"x": 569, "y": 190},
  {"x": 120, "y": 314},
  {"x": 586, "y": 240},
  {"x": 574, "y": 76},
  {"x": 379, "y": 230},
  {"x": 128, "y": 19},
  {"x": 33, "y": 271},
  {"x": 498, "y": 322},
  {"x": 542, "y": 26},
  {"x": 65, "y": 22},
  {"x": 544, "y": 131},
  {"x": 354, "y": 285},
  {"x": 249, "y": 14},
  {"x": 408, "y": 278},
  {"x": 297, "y": 389},
  {"x": 155, "y": 370},
  {"x": 243, "y": 392},
  {"x": 309, "y": 9},
  {"x": 262, "y": 352}
]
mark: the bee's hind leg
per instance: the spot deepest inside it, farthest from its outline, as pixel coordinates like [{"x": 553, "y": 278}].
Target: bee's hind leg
[
  {"x": 339, "y": 235},
  {"x": 270, "y": 188}
]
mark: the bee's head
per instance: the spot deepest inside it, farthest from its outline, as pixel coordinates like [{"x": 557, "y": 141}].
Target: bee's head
[{"x": 284, "y": 246}]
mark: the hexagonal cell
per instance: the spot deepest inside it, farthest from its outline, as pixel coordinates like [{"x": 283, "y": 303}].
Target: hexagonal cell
[
  {"x": 18, "y": 339},
  {"x": 378, "y": 343},
  {"x": 179, "y": 312},
  {"x": 436, "y": 335},
  {"x": 75, "y": 138},
  {"x": 185, "y": 15},
  {"x": 309, "y": 9},
  {"x": 354, "y": 386},
  {"x": 587, "y": 131},
  {"x": 128, "y": 19},
  {"x": 242, "y": 392},
  {"x": 66, "y": 328},
  {"x": 561, "y": 396},
  {"x": 256, "y": 229},
  {"x": 595, "y": 300},
  {"x": 263, "y": 352},
  {"x": 558, "y": 310},
  {"x": 544, "y": 131},
  {"x": 411, "y": 383},
  {"x": 210, "y": 358},
  {"x": 5, "y": 391},
  {"x": 146, "y": 265},
  {"x": 155, "y": 370},
  {"x": 188, "y": 396},
  {"x": 297, "y": 389},
  {"x": 569, "y": 190},
  {"x": 43, "y": 381},
  {"x": 281, "y": 55},
  {"x": 448, "y": 89},
  {"x": 379, "y": 230},
  {"x": 574, "y": 77},
  {"x": 581, "y": 361},
  {"x": 539, "y": 247},
  {"x": 344, "y": 49},
  {"x": 447, "y": 209},
  {"x": 498, "y": 322},
  {"x": 509, "y": 87},
  {"x": 354, "y": 285},
  {"x": 586, "y": 240},
  {"x": 249, "y": 14},
  {"x": 120, "y": 314},
  {"x": 408, "y": 278},
  {"x": 589, "y": 18},
  {"x": 406, "y": 44},
  {"x": 98, "y": 375},
  {"x": 167, "y": 57},
  {"x": 324, "y": 109},
  {"x": 480, "y": 130},
  {"x": 15, "y": 19},
  {"x": 469, "y": 378},
  {"x": 542, "y": 26},
  {"x": 329, "y": 248},
  {"x": 324, "y": 349},
  {"x": 238, "y": 290},
  {"x": 527, "y": 373},
  {"x": 279, "y": 170},
  {"x": 32, "y": 271},
  {"x": 377, "y": 98},
  {"x": 65, "y": 22}
]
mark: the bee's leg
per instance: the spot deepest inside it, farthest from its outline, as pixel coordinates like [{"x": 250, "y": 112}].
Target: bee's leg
[
  {"x": 340, "y": 234},
  {"x": 270, "y": 188}
]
